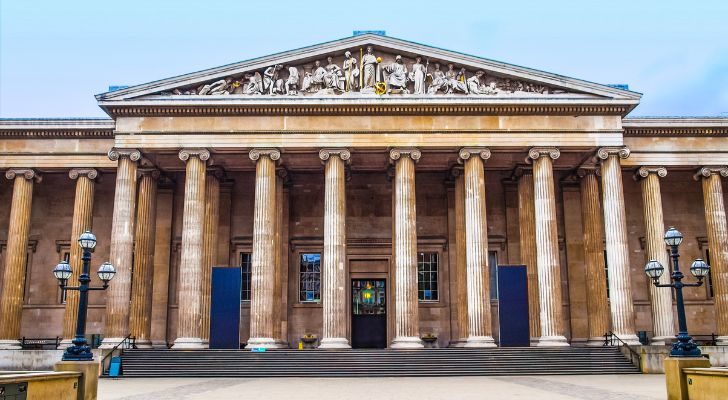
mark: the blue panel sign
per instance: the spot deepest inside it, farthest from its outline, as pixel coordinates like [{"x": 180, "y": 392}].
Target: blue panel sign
[
  {"x": 513, "y": 306},
  {"x": 225, "y": 308}
]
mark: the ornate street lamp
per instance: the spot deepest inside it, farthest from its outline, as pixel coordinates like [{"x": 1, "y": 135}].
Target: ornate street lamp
[
  {"x": 80, "y": 351},
  {"x": 685, "y": 346}
]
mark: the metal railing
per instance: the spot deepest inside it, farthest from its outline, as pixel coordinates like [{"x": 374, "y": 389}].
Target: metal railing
[
  {"x": 610, "y": 339},
  {"x": 27, "y": 343},
  {"x": 129, "y": 342}
]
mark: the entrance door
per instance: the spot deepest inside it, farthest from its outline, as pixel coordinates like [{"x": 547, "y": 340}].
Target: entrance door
[{"x": 369, "y": 313}]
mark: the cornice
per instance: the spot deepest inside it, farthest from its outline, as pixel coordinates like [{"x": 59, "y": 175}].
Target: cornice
[
  {"x": 33, "y": 128},
  {"x": 675, "y": 126}
]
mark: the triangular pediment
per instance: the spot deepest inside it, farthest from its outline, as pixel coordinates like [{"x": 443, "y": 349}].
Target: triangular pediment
[{"x": 374, "y": 66}]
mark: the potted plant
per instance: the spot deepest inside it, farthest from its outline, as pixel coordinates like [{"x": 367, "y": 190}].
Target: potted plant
[
  {"x": 309, "y": 340},
  {"x": 430, "y": 339}
]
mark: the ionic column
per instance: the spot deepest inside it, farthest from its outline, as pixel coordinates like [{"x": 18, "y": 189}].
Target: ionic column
[
  {"x": 122, "y": 246},
  {"x": 596, "y": 282},
  {"x": 83, "y": 213},
  {"x": 547, "y": 247},
  {"x": 715, "y": 223},
  {"x": 461, "y": 274},
  {"x": 527, "y": 230},
  {"x": 11, "y": 303},
  {"x": 615, "y": 227},
  {"x": 209, "y": 246},
  {"x": 140, "y": 315},
  {"x": 407, "y": 334},
  {"x": 334, "y": 261},
  {"x": 663, "y": 326},
  {"x": 476, "y": 248},
  {"x": 189, "y": 331},
  {"x": 263, "y": 258}
]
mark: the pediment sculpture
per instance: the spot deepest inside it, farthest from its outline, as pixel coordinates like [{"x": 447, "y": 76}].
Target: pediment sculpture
[{"x": 371, "y": 74}]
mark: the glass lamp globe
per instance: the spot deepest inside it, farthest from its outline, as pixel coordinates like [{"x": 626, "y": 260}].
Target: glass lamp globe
[
  {"x": 87, "y": 240},
  {"x": 106, "y": 271},
  {"x": 673, "y": 237},
  {"x": 62, "y": 271},
  {"x": 699, "y": 269},
  {"x": 654, "y": 269}
]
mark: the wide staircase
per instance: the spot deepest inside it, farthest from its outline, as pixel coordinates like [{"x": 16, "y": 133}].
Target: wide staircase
[{"x": 376, "y": 363}]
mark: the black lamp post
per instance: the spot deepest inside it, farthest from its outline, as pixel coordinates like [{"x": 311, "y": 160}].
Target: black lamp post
[
  {"x": 80, "y": 351},
  {"x": 685, "y": 346}
]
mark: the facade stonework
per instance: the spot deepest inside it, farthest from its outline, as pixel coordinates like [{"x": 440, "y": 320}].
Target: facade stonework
[{"x": 313, "y": 180}]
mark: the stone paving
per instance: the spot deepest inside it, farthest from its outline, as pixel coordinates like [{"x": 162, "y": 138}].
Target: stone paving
[{"x": 602, "y": 387}]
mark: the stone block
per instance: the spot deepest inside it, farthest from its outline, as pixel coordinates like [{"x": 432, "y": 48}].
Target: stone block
[
  {"x": 707, "y": 383},
  {"x": 675, "y": 379},
  {"x": 88, "y": 382}
]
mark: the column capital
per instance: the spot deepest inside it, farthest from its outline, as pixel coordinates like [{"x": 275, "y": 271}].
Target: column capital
[
  {"x": 116, "y": 153},
  {"x": 521, "y": 170},
  {"x": 27, "y": 173},
  {"x": 645, "y": 171},
  {"x": 534, "y": 153},
  {"x": 411, "y": 152},
  {"x": 202, "y": 154},
  {"x": 344, "y": 154},
  {"x": 273, "y": 154},
  {"x": 707, "y": 171},
  {"x": 466, "y": 152},
  {"x": 583, "y": 171},
  {"x": 604, "y": 152},
  {"x": 153, "y": 172},
  {"x": 89, "y": 173},
  {"x": 216, "y": 171}
]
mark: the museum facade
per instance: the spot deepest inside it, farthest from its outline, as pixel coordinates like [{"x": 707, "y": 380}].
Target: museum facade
[{"x": 369, "y": 190}]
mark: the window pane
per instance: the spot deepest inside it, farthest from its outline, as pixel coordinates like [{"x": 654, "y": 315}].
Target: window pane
[
  {"x": 310, "y": 278},
  {"x": 427, "y": 270},
  {"x": 245, "y": 271},
  {"x": 493, "y": 271}
]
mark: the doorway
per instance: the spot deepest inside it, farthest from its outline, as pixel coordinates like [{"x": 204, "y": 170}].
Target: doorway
[{"x": 369, "y": 313}]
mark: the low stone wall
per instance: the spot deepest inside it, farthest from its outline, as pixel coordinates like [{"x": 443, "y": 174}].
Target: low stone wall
[
  {"x": 34, "y": 360},
  {"x": 42, "y": 385},
  {"x": 652, "y": 357},
  {"x": 707, "y": 383}
]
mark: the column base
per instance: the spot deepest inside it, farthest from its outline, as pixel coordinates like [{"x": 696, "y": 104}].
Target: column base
[
  {"x": 552, "y": 341},
  {"x": 407, "y": 342},
  {"x": 533, "y": 342},
  {"x": 262, "y": 343},
  {"x": 10, "y": 344},
  {"x": 458, "y": 343},
  {"x": 629, "y": 338},
  {"x": 721, "y": 341},
  {"x": 334, "y": 343},
  {"x": 479, "y": 342},
  {"x": 144, "y": 344},
  {"x": 660, "y": 340},
  {"x": 596, "y": 341},
  {"x": 187, "y": 343},
  {"x": 159, "y": 344},
  {"x": 110, "y": 343}
]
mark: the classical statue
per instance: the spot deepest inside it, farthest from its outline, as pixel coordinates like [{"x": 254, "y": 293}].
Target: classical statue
[
  {"x": 475, "y": 86},
  {"x": 418, "y": 75},
  {"x": 369, "y": 68},
  {"x": 292, "y": 81},
  {"x": 216, "y": 88},
  {"x": 334, "y": 78},
  {"x": 351, "y": 72},
  {"x": 491, "y": 89},
  {"x": 307, "y": 82},
  {"x": 317, "y": 80},
  {"x": 271, "y": 82},
  {"x": 439, "y": 80},
  {"x": 255, "y": 83},
  {"x": 396, "y": 75},
  {"x": 455, "y": 80}
]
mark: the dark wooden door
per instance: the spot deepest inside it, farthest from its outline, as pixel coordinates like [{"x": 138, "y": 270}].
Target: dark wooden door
[{"x": 369, "y": 313}]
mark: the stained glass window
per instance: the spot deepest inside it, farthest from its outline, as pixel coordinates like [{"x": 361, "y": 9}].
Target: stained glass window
[
  {"x": 310, "y": 278},
  {"x": 427, "y": 269}
]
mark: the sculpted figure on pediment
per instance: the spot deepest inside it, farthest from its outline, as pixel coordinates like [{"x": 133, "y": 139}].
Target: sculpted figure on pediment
[
  {"x": 396, "y": 75},
  {"x": 292, "y": 81},
  {"x": 475, "y": 86},
  {"x": 216, "y": 88},
  {"x": 418, "y": 75},
  {"x": 307, "y": 81},
  {"x": 439, "y": 80},
  {"x": 351, "y": 72},
  {"x": 455, "y": 80},
  {"x": 255, "y": 83},
  {"x": 369, "y": 68},
  {"x": 271, "y": 80},
  {"x": 334, "y": 77},
  {"x": 317, "y": 79}
]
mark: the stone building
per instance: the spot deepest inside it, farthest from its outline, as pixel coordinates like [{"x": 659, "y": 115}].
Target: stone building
[{"x": 366, "y": 166}]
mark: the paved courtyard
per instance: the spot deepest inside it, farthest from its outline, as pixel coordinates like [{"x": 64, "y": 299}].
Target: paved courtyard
[{"x": 603, "y": 387}]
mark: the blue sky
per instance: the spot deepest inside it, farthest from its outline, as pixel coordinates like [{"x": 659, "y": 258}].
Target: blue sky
[{"x": 55, "y": 55}]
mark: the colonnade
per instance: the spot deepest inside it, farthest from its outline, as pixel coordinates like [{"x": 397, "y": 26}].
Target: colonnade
[{"x": 133, "y": 234}]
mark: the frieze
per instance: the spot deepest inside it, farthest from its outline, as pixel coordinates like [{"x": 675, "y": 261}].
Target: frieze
[{"x": 366, "y": 71}]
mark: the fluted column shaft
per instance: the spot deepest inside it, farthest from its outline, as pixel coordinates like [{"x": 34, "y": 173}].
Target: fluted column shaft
[
  {"x": 209, "y": 249},
  {"x": 334, "y": 260},
  {"x": 140, "y": 315},
  {"x": 663, "y": 326},
  {"x": 407, "y": 333},
  {"x": 83, "y": 207},
  {"x": 527, "y": 230},
  {"x": 122, "y": 246},
  {"x": 715, "y": 223},
  {"x": 460, "y": 259},
  {"x": 547, "y": 248},
  {"x": 596, "y": 288},
  {"x": 263, "y": 257},
  {"x": 476, "y": 249},
  {"x": 11, "y": 304},
  {"x": 615, "y": 225},
  {"x": 189, "y": 330}
]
